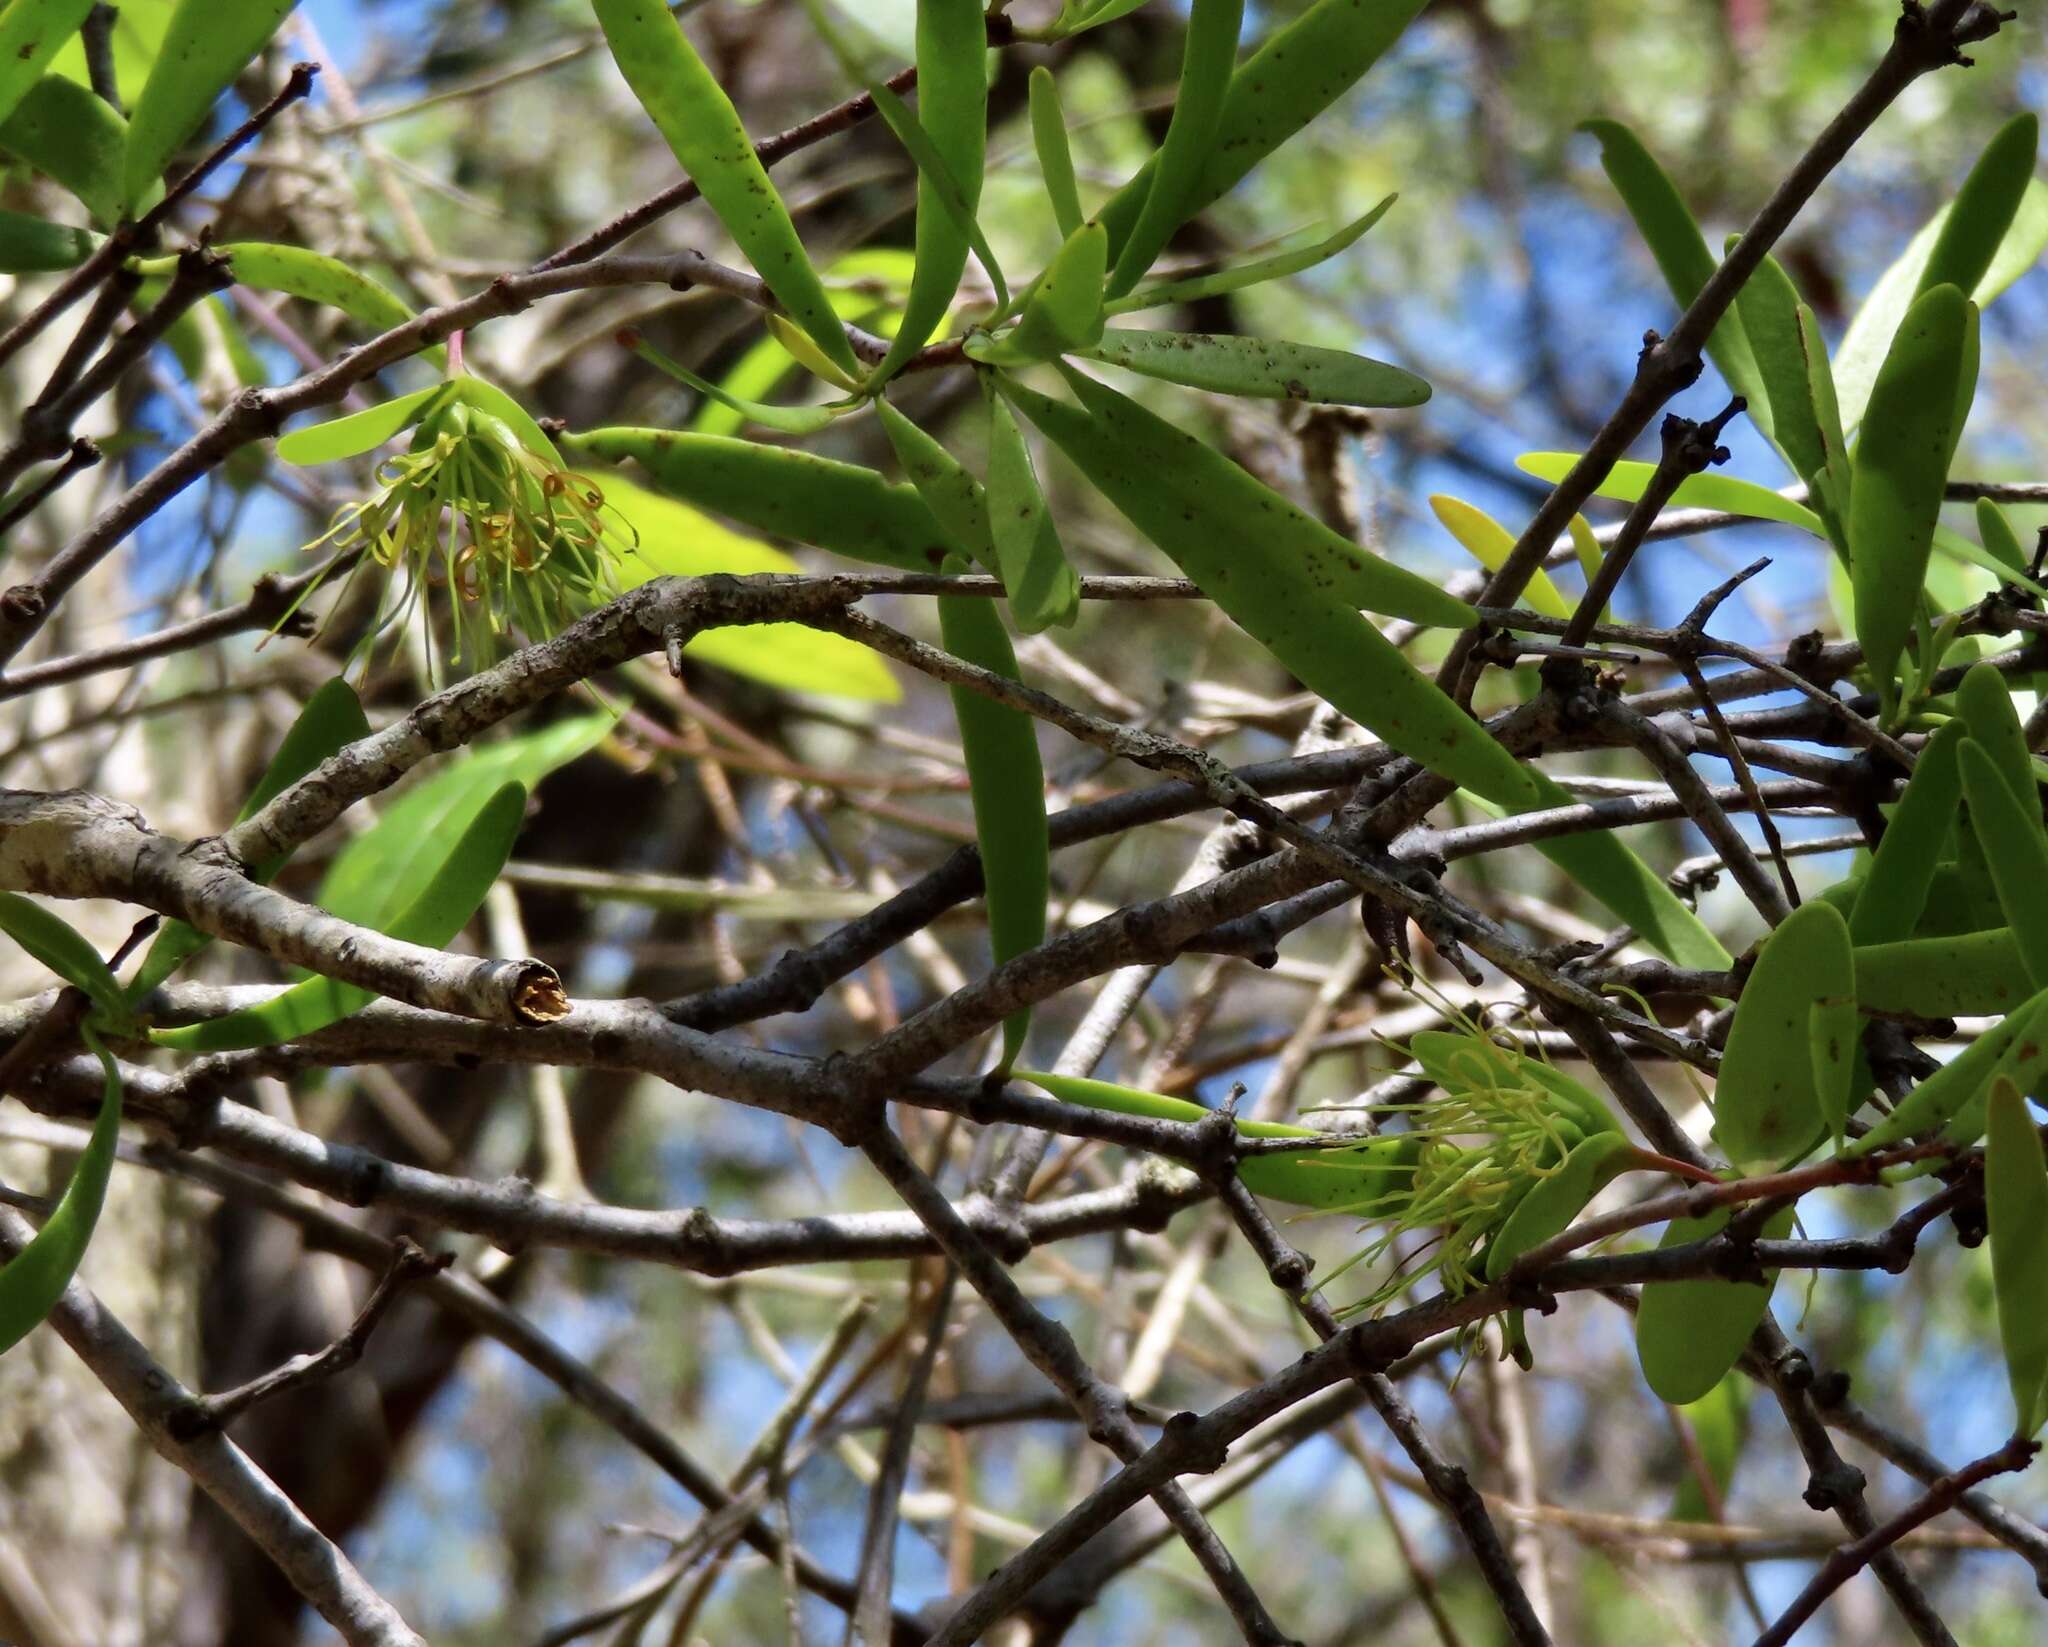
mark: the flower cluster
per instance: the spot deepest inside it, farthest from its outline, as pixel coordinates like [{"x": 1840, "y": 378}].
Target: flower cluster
[{"x": 475, "y": 508}]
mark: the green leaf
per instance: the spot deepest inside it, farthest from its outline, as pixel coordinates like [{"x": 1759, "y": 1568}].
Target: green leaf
[
  {"x": 1301, "y": 70},
  {"x": 1628, "y": 480},
  {"x": 952, "y": 113},
  {"x": 1832, "y": 481},
  {"x": 1767, "y": 1108},
  {"x": 1288, "y": 582},
  {"x": 1768, "y": 306},
  {"x": 332, "y": 718},
  {"x": 1041, "y": 585},
  {"x": 383, "y": 870},
  {"x": 1063, "y": 313},
  {"x": 1983, "y": 210},
  {"x": 1719, "y": 1421},
  {"x": 1356, "y": 1178},
  {"x": 953, "y": 498},
  {"x": 2017, "y": 851},
  {"x": 31, "y": 31},
  {"x": 2000, "y": 539},
  {"x": 679, "y": 541},
  {"x": 1055, "y": 157},
  {"x": 1261, "y": 368},
  {"x": 1973, "y": 974},
  {"x": 1902, "y": 869},
  {"x": 138, "y": 35},
  {"x": 35, "y": 1278},
  {"x": 1986, "y": 708},
  {"x": 456, "y": 881},
  {"x": 693, "y": 113},
  {"x": 1193, "y": 288},
  {"x": 206, "y": 44},
  {"x": 1550, "y": 1204},
  {"x": 1008, "y": 787},
  {"x": 1244, "y": 523},
  {"x": 34, "y": 245},
  {"x": 1952, "y": 1089},
  {"x": 2016, "y": 1205},
  {"x": 70, "y": 135},
  {"x": 1675, "y": 241},
  {"x": 1489, "y": 543},
  {"x": 790, "y": 494},
  {"x": 1877, "y": 321},
  {"x": 1176, "y": 171},
  {"x": 791, "y": 420},
  {"x": 1901, "y": 468},
  {"x": 358, "y": 432},
  {"x": 52, "y": 941},
  {"x": 1689, "y": 1334}
]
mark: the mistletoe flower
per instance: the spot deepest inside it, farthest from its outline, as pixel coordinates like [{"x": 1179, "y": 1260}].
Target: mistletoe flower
[{"x": 480, "y": 506}]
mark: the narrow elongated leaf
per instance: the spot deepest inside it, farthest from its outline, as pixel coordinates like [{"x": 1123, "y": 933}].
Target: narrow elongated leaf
[
  {"x": 1262, "y": 368},
  {"x": 1871, "y": 331},
  {"x": 31, "y": 32},
  {"x": 1552, "y": 1202},
  {"x": 1902, "y": 869},
  {"x": 1675, "y": 241},
  {"x": 784, "y": 492},
  {"x": 1766, "y": 1106},
  {"x": 317, "y": 278},
  {"x": 1193, "y": 288},
  {"x": 1207, "y": 59},
  {"x": 676, "y": 540},
  {"x": 35, "y": 245},
  {"x": 52, "y": 941},
  {"x": 1055, "y": 157},
  {"x": 1973, "y": 974},
  {"x": 358, "y": 432},
  {"x": 2016, "y": 1208},
  {"x": 1301, "y": 70},
  {"x": 1832, "y": 481},
  {"x": 1999, "y": 537},
  {"x": 1349, "y": 1178},
  {"x": 791, "y": 420},
  {"x": 35, "y": 1278},
  {"x": 1833, "y": 1033},
  {"x": 1719, "y": 1421},
  {"x": 2017, "y": 851},
  {"x": 1690, "y": 1333},
  {"x": 383, "y": 870},
  {"x": 955, "y": 500},
  {"x": 1063, "y": 313},
  {"x": 1008, "y": 787},
  {"x": 72, "y": 137},
  {"x": 333, "y": 717},
  {"x": 1768, "y": 305},
  {"x": 1628, "y": 480},
  {"x": 690, "y": 108},
  {"x": 1986, "y": 709},
  {"x": 206, "y": 44},
  {"x": 1959, "y": 1083},
  {"x": 1489, "y": 543},
  {"x": 1041, "y": 585},
  {"x": 1983, "y": 209},
  {"x": 1900, "y": 469},
  {"x": 458, "y": 878},
  {"x": 952, "y": 111},
  {"x": 1289, "y": 589},
  {"x": 1252, "y": 525}
]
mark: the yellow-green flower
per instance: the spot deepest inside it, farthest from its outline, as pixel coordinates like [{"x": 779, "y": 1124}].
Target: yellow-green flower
[{"x": 478, "y": 511}]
